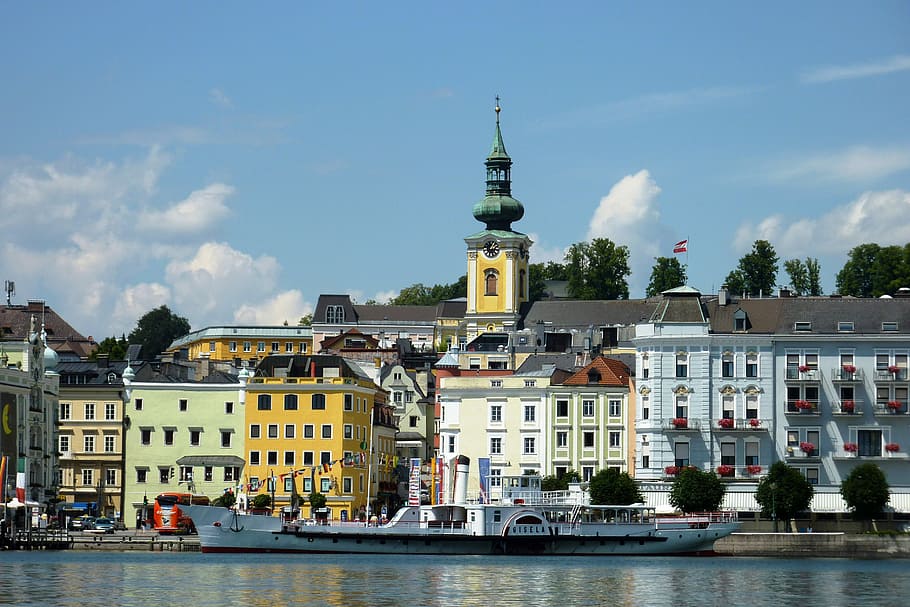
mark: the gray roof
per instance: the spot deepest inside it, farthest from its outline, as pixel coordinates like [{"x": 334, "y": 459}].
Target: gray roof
[{"x": 582, "y": 314}]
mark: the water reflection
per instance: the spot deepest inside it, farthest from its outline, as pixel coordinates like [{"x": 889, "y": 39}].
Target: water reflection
[{"x": 88, "y": 579}]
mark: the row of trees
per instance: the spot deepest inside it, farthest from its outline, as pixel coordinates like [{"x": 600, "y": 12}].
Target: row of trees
[
  {"x": 599, "y": 269},
  {"x": 782, "y": 494}
]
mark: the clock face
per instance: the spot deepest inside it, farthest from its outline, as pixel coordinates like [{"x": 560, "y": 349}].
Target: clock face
[{"x": 491, "y": 248}]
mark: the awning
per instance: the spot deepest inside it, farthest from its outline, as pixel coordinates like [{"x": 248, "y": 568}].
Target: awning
[
  {"x": 78, "y": 506},
  {"x": 210, "y": 460}
]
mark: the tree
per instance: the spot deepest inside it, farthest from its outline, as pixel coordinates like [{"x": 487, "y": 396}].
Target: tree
[
  {"x": 805, "y": 277},
  {"x": 866, "y": 491},
  {"x": 113, "y": 347},
  {"x": 419, "y": 294},
  {"x": 855, "y": 278},
  {"x": 157, "y": 330},
  {"x": 225, "y": 500},
  {"x": 261, "y": 501},
  {"x": 610, "y": 486},
  {"x": 317, "y": 500},
  {"x": 306, "y": 320},
  {"x": 598, "y": 270},
  {"x": 539, "y": 274},
  {"x": 559, "y": 483},
  {"x": 666, "y": 274},
  {"x": 889, "y": 271},
  {"x": 695, "y": 490},
  {"x": 783, "y": 493},
  {"x": 756, "y": 273}
]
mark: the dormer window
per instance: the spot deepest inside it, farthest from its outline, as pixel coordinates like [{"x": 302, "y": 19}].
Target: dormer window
[
  {"x": 845, "y": 326},
  {"x": 334, "y": 314},
  {"x": 802, "y": 326},
  {"x": 740, "y": 321},
  {"x": 593, "y": 376},
  {"x": 889, "y": 326}
]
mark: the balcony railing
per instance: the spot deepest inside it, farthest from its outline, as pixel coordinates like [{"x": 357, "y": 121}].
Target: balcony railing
[
  {"x": 742, "y": 424},
  {"x": 810, "y": 375},
  {"x": 802, "y": 407},
  {"x": 681, "y": 424},
  {"x": 839, "y": 374},
  {"x": 893, "y": 407},
  {"x": 889, "y": 375},
  {"x": 847, "y": 407}
]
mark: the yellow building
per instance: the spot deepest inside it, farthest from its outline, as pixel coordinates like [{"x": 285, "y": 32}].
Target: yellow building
[
  {"x": 320, "y": 422},
  {"x": 236, "y": 344}
]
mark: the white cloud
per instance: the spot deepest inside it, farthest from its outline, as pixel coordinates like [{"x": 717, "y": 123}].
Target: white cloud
[
  {"x": 858, "y": 163},
  {"x": 543, "y": 253},
  {"x": 385, "y": 297},
  {"x": 136, "y": 300},
  {"x": 880, "y": 217},
  {"x": 199, "y": 211},
  {"x": 287, "y": 306},
  {"x": 830, "y": 73},
  {"x": 218, "y": 97}
]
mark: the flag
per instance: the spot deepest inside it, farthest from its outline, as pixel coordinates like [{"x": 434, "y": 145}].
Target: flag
[{"x": 681, "y": 247}]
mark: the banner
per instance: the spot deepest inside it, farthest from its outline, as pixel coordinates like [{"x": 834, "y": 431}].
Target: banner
[
  {"x": 483, "y": 467},
  {"x": 414, "y": 483}
]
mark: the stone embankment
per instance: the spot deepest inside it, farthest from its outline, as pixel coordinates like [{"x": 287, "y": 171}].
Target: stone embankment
[
  {"x": 147, "y": 541},
  {"x": 815, "y": 545}
]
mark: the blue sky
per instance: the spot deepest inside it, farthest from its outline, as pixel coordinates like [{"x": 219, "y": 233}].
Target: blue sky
[{"x": 234, "y": 161}]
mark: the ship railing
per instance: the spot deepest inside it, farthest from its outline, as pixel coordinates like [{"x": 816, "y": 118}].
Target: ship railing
[{"x": 696, "y": 519}]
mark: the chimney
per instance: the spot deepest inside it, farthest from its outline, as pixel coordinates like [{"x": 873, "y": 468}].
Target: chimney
[
  {"x": 722, "y": 296},
  {"x": 783, "y": 292}
]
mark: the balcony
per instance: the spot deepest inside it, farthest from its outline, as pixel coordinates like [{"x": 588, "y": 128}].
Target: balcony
[
  {"x": 802, "y": 451},
  {"x": 752, "y": 424},
  {"x": 890, "y": 375},
  {"x": 800, "y": 407},
  {"x": 889, "y": 408},
  {"x": 847, "y": 407},
  {"x": 802, "y": 375},
  {"x": 681, "y": 424},
  {"x": 847, "y": 374}
]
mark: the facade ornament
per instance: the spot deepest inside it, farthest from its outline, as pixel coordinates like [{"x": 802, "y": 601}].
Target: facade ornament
[{"x": 644, "y": 391}]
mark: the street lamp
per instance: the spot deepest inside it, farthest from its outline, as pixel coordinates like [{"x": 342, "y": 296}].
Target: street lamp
[{"x": 774, "y": 505}]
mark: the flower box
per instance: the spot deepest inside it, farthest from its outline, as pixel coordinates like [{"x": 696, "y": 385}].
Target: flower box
[
  {"x": 894, "y": 405},
  {"x": 848, "y": 406},
  {"x": 725, "y": 422},
  {"x": 851, "y": 447},
  {"x": 893, "y": 369},
  {"x": 680, "y": 422},
  {"x": 752, "y": 469},
  {"x": 755, "y": 423},
  {"x": 849, "y": 369},
  {"x": 671, "y": 470},
  {"x": 804, "y": 405},
  {"x": 725, "y": 470},
  {"x": 807, "y": 448},
  {"x": 803, "y": 368},
  {"x": 892, "y": 447}
]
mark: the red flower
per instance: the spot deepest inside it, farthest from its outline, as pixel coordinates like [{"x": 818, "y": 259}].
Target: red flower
[
  {"x": 848, "y": 406},
  {"x": 725, "y": 470},
  {"x": 894, "y": 405},
  {"x": 893, "y": 369},
  {"x": 803, "y": 404},
  {"x": 892, "y": 447},
  {"x": 725, "y": 422},
  {"x": 671, "y": 470},
  {"x": 851, "y": 447},
  {"x": 807, "y": 448},
  {"x": 754, "y": 422},
  {"x": 849, "y": 369},
  {"x": 680, "y": 422},
  {"x": 752, "y": 469},
  {"x": 803, "y": 368}
]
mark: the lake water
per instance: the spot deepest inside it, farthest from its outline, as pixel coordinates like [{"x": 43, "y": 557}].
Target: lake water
[{"x": 88, "y": 579}]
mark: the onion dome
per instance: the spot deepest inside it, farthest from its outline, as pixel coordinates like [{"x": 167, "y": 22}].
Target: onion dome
[{"x": 498, "y": 209}]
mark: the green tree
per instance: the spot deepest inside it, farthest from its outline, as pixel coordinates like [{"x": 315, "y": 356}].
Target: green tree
[
  {"x": 306, "y": 320},
  {"x": 317, "y": 500},
  {"x": 226, "y": 499},
  {"x": 889, "y": 271},
  {"x": 261, "y": 501},
  {"x": 784, "y": 492},
  {"x": 559, "y": 483},
  {"x": 598, "y": 270},
  {"x": 805, "y": 276},
  {"x": 696, "y": 490},
  {"x": 666, "y": 274},
  {"x": 866, "y": 491},
  {"x": 157, "y": 330},
  {"x": 756, "y": 273},
  {"x": 113, "y": 347},
  {"x": 419, "y": 294},
  {"x": 855, "y": 278},
  {"x": 610, "y": 486}
]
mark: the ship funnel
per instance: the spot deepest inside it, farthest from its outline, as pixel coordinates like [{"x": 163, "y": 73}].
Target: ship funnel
[{"x": 462, "y": 464}]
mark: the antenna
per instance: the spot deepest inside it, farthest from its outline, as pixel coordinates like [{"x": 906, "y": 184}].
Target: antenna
[{"x": 10, "y": 287}]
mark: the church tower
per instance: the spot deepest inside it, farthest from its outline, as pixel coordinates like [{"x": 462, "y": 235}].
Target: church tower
[{"x": 497, "y": 255}]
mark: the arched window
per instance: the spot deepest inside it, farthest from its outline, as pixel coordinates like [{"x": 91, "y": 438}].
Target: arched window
[
  {"x": 491, "y": 278},
  {"x": 334, "y": 314}
]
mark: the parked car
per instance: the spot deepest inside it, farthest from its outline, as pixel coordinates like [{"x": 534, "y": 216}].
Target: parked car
[
  {"x": 82, "y": 523},
  {"x": 103, "y": 525}
]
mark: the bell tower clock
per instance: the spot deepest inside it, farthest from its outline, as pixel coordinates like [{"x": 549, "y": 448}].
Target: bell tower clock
[{"x": 498, "y": 256}]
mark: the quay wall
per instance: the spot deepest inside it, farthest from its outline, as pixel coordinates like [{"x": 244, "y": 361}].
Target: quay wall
[{"x": 815, "y": 545}]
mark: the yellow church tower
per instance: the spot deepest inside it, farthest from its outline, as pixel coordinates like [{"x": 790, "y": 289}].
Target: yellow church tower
[{"x": 497, "y": 255}]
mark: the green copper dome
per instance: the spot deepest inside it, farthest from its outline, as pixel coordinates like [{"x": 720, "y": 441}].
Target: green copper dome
[{"x": 498, "y": 209}]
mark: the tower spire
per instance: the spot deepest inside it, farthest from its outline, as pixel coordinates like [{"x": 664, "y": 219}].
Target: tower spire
[{"x": 498, "y": 209}]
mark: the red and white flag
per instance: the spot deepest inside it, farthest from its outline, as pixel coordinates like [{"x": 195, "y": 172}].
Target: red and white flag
[{"x": 681, "y": 247}]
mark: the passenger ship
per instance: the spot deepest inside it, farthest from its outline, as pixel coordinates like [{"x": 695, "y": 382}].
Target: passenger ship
[{"x": 525, "y": 521}]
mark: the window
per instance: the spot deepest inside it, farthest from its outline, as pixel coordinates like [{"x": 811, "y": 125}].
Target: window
[
  {"x": 326, "y": 430},
  {"x": 145, "y": 436},
  {"x": 347, "y": 485},
  {"x": 64, "y": 411},
  {"x": 142, "y": 475},
  {"x": 289, "y": 347},
  {"x": 496, "y": 445},
  {"x": 496, "y": 414},
  {"x": 496, "y": 383},
  {"x": 645, "y": 407},
  {"x": 288, "y": 458},
  {"x": 307, "y": 485},
  {"x": 726, "y": 364},
  {"x": 308, "y": 431},
  {"x": 889, "y": 326},
  {"x": 88, "y": 477},
  {"x": 869, "y": 443},
  {"x": 334, "y": 314},
  {"x": 254, "y": 458},
  {"x": 110, "y": 411},
  {"x": 232, "y": 473},
  {"x": 587, "y": 407},
  {"x": 588, "y": 439},
  {"x": 751, "y": 364},
  {"x": 474, "y": 363},
  {"x": 615, "y": 439},
  {"x": 451, "y": 443},
  {"x": 615, "y": 408},
  {"x": 751, "y": 406},
  {"x": 260, "y": 346},
  {"x": 195, "y": 435},
  {"x": 272, "y": 430},
  {"x": 530, "y": 445},
  {"x": 318, "y": 402},
  {"x": 110, "y": 476},
  {"x": 271, "y": 458},
  {"x": 88, "y": 442},
  {"x": 682, "y": 364},
  {"x": 562, "y": 440},
  {"x": 181, "y": 404},
  {"x": 587, "y": 473},
  {"x": 491, "y": 278},
  {"x": 228, "y": 407},
  {"x": 226, "y": 439},
  {"x": 232, "y": 346},
  {"x": 562, "y": 408},
  {"x": 645, "y": 461},
  {"x": 751, "y": 453},
  {"x": 530, "y": 413},
  {"x": 812, "y": 475},
  {"x": 247, "y": 346},
  {"x": 168, "y": 436},
  {"x": 728, "y": 454},
  {"x": 164, "y": 475},
  {"x": 740, "y": 321},
  {"x": 681, "y": 454},
  {"x": 348, "y": 402},
  {"x": 414, "y": 421},
  {"x": 255, "y": 431},
  {"x": 645, "y": 366},
  {"x": 530, "y": 383},
  {"x": 89, "y": 411},
  {"x": 307, "y": 458},
  {"x": 137, "y": 402},
  {"x": 682, "y": 405},
  {"x": 348, "y": 431},
  {"x": 845, "y": 326},
  {"x": 325, "y": 457},
  {"x": 290, "y": 402},
  {"x": 290, "y": 430},
  {"x": 802, "y": 326},
  {"x": 185, "y": 473},
  {"x": 325, "y": 485},
  {"x": 264, "y": 402},
  {"x": 495, "y": 477},
  {"x": 728, "y": 406},
  {"x": 64, "y": 443},
  {"x": 276, "y": 347}
]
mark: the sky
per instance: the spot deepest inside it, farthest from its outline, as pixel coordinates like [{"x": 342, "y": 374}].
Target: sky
[{"x": 234, "y": 161}]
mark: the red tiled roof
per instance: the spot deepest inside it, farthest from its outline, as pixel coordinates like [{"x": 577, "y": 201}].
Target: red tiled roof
[{"x": 611, "y": 372}]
